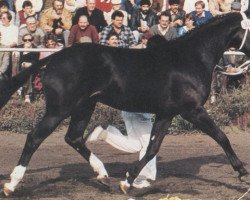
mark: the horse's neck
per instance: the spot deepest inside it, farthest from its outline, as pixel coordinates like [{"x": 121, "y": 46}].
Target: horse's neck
[{"x": 214, "y": 40}]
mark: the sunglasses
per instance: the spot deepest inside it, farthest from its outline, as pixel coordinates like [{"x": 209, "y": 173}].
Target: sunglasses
[{"x": 26, "y": 40}]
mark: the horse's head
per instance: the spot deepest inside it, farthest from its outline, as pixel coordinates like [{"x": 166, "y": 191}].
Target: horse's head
[{"x": 241, "y": 39}]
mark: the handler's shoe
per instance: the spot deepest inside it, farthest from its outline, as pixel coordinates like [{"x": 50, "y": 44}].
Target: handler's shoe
[
  {"x": 98, "y": 134},
  {"x": 141, "y": 184}
]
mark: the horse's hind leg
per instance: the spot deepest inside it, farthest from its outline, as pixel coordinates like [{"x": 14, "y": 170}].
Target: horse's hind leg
[
  {"x": 159, "y": 130},
  {"x": 48, "y": 124},
  {"x": 74, "y": 137},
  {"x": 201, "y": 119}
]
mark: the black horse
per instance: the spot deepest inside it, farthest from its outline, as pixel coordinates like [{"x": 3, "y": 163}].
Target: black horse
[{"x": 170, "y": 79}]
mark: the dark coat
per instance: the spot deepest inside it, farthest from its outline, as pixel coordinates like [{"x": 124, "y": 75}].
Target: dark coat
[
  {"x": 96, "y": 18},
  {"x": 137, "y": 16},
  {"x": 31, "y": 57},
  {"x": 180, "y": 15}
]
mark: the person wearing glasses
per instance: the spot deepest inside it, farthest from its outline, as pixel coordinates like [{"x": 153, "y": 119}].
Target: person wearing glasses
[
  {"x": 33, "y": 29},
  {"x": 26, "y": 59}
]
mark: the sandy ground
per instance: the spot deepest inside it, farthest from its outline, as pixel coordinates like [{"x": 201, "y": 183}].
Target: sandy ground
[{"x": 189, "y": 166}]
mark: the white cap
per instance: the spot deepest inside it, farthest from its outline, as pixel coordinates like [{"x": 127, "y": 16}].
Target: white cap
[{"x": 116, "y": 1}]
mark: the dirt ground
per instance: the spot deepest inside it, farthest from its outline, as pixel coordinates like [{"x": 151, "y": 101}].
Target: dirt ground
[{"x": 189, "y": 166}]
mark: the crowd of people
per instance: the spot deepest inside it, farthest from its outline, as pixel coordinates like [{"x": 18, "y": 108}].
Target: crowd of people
[
  {"x": 56, "y": 24},
  {"x": 121, "y": 23}
]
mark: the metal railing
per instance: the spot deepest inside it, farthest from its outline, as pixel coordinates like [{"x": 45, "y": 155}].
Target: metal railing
[{"x": 29, "y": 50}]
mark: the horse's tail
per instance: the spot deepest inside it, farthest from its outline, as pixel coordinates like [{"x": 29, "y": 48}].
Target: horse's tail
[{"x": 9, "y": 86}]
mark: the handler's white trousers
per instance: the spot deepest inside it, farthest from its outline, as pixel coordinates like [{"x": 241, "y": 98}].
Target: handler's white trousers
[{"x": 138, "y": 126}]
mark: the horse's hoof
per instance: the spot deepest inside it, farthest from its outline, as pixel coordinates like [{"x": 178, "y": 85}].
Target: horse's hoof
[
  {"x": 245, "y": 178},
  {"x": 104, "y": 180},
  {"x": 7, "y": 192},
  {"x": 124, "y": 186}
]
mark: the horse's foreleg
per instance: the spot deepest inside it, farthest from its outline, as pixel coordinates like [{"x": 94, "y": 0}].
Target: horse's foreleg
[
  {"x": 78, "y": 123},
  {"x": 159, "y": 130},
  {"x": 201, "y": 119},
  {"x": 34, "y": 139}
]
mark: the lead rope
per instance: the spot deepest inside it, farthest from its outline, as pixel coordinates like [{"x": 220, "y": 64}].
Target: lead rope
[{"x": 245, "y": 24}]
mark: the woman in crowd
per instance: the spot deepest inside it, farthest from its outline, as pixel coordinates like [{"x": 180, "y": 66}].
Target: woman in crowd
[{"x": 25, "y": 61}]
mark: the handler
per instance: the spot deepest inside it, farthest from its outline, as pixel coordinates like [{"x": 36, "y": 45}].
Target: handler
[{"x": 138, "y": 126}]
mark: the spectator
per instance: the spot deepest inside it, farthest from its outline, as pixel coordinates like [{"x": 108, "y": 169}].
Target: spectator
[
  {"x": 189, "y": 5},
  {"x": 104, "y": 5},
  {"x": 143, "y": 19},
  {"x": 144, "y": 41},
  {"x": 50, "y": 42},
  {"x": 73, "y": 5},
  {"x": 94, "y": 15},
  {"x": 37, "y": 5},
  {"x": 125, "y": 35},
  {"x": 33, "y": 29},
  {"x": 4, "y": 7},
  {"x": 200, "y": 15},
  {"x": 159, "y": 6},
  {"x": 177, "y": 16},
  {"x": 83, "y": 29},
  {"x": 163, "y": 28},
  {"x": 116, "y": 5},
  {"x": 189, "y": 25},
  {"x": 4, "y": 63},
  {"x": 24, "y": 13},
  {"x": 57, "y": 20},
  {"x": 26, "y": 60},
  {"x": 130, "y": 6},
  {"x": 236, "y": 7},
  {"x": 9, "y": 32},
  {"x": 219, "y": 7},
  {"x": 112, "y": 39},
  {"x": 226, "y": 63}
]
